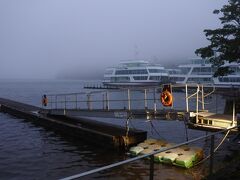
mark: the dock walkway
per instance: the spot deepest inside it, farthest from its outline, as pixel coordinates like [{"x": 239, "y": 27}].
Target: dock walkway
[{"x": 94, "y": 131}]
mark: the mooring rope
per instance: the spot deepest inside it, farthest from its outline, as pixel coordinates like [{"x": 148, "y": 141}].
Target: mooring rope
[{"x": 214, "y": 149}]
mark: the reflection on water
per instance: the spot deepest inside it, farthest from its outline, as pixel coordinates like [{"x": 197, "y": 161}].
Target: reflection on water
[{"x": 32, "y": 152}]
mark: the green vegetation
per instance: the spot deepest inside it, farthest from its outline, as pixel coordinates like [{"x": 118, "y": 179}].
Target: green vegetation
[{"x": 224, "y": 41}]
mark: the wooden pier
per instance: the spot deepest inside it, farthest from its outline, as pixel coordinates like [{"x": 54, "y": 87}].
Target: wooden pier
[
  {"x": 99, "y": 133},
  {"x": 103, "y": 104}
]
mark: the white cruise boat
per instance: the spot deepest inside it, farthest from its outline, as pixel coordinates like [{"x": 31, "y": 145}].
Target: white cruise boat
[
  {"x": 138, "y": 72},
  {"x": 200, "y": 71}
]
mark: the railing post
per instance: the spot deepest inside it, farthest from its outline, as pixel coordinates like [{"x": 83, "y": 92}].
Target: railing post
[
  {"x": 197, "y": 104},
  {"x": 186, "y": 89},
  {"x": 89, "y": 101},
  {"x": 103, "y": 101},
  {"x": 129, "y": 101},
  {"x": 51, "y": 102},
  {"x": 76, "y": 101},
  {"x": 65, "y": 104},
  {"x": 234, "y": 109},
  {"x": 145, "y": 99},
  {"x": 107, "y": 99},
  {"x": 203, "y": 106},
  {"x": 211, "y": 155},
  {"x": 55, "y": 102},
  {"x": 151, "y": 167},
  {"x": 154, "y": 99}
]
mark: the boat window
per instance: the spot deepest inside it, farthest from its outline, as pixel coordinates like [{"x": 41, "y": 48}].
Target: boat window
[
  {"x": 155, "y": 78},
  {"x": 135, "y": 71},
  {"x": 185, "y": 70},
  {"x": 157, "y": 71},
  {"x": 202, "y": 70},
  {"x": 120, "y": 79},
  {"x": 174, "y": 79},
  {"x": 229, "y": 79},
  {"x": 236, "y": 70},
  {"x": 174, "y": 71},
  {"x": 199, "y": 80},
  {"x": 140, "y": 77}
]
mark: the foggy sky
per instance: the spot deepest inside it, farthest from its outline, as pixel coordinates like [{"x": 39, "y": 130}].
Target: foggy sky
[{"x": 50, "y": 38}]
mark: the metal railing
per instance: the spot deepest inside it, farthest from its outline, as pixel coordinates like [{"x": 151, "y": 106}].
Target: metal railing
[
  {"x": 151, "y": 155},
  {"x": 85, "y": 99}
]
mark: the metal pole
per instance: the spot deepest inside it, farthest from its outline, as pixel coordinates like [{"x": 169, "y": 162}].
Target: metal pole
[
  {"x": 51, "y": 102},
  {"x": 186, "y": 89},
  {"x": 65, "y": 104},
  {"x": 145, "y": 99},
  {"x": 129, "y": 101},
  {"x": 211, "y": 155},
  {"x": 89, "y": 101},
  {"x": 234, "y": 109},
  {"x": 107, "y": 99},
  {"x": 197, "y": 105},
  {"x": 154, "y": 99},
  {"x": 103, "y": 102},
  {"x": 56, "y": 102},
  {"x": 76, "y": 102},
  {"x": 151, "y": 167},
  {"x": 216, "y": 102},
  {"x": 203, "y": 106}
]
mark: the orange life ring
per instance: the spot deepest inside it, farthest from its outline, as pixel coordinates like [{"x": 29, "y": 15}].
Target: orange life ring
[{"x": 166, "y": 98}]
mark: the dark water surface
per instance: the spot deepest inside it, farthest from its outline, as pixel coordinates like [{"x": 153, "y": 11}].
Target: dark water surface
[{"x": 28, "y": 151}]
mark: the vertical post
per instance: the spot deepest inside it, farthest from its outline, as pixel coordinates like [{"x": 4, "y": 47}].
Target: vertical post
[
  {"x": 51, "y": 102},
  {"x": 234, "y": 109},
  {"x": 42, "y": 102},
  {"x": 76, "y": 102},
  {"x": 197, "y": 104},
  {"x": 203, "y": 106},
  {"x": 103, "y": 101},
  {"x": 145, "y": 98},
  {"x": 151, "y": 167},
  {"x": 211, "y": 155},
  {"x": 107, "y": 99},
  {"x": 216, "y": 102},
  {"x": 56, "y": 102},
  {"x": 154, "y": 99},
  {"x": 64, "y": 111},
  {"x": 186, "y": 89},
  {"x": 65, "y": 102},
  {"x": 129, "y": 101},
  {"x": 89, "y": 101}
]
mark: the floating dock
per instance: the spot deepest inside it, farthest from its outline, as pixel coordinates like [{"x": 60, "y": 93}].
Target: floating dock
[
  {"x": 183, "y": 156},
  {"x": 100, "y": 133},
  {"x": 212, "y": 121}
]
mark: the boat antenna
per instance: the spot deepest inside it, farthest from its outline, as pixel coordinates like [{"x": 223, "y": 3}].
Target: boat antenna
[{"x": 136, "y": 52}]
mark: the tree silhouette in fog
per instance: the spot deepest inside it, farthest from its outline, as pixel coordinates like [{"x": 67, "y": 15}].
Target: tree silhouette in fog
[{"x": 224, "y": 41}]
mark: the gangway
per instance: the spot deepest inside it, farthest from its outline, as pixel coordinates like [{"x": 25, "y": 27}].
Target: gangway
[{"x": 142, "y": 103}]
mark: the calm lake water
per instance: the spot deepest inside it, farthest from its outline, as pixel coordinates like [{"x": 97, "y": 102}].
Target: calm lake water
[{"x": 28, "y": 151}]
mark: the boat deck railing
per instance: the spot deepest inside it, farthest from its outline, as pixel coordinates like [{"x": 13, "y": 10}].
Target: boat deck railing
[{"x": 151, "y": 156}]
